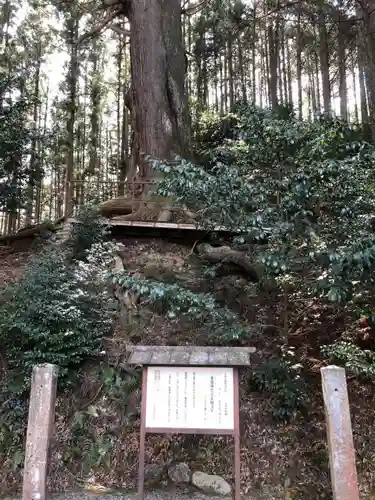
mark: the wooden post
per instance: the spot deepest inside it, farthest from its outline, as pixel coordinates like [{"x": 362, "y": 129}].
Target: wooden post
[
  {"x": 339, "y": 434},
  {"x": 39, "y": 430}
]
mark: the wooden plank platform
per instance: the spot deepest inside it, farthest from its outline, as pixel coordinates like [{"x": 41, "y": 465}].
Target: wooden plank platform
[
  {"x": 190, "y": 355},
  {"x": 155, "y": 225}
]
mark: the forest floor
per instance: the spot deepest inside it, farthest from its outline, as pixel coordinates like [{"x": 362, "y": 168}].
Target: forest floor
[
  {"x": 278, "y": 460},
  {"x": 120, "y": 495}
]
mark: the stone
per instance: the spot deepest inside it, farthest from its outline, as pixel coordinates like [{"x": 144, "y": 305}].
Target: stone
[
  {"x": 154, "y": 473},
  {"x": 179, "y": 473},
  {"x": 211, "y": 484}
]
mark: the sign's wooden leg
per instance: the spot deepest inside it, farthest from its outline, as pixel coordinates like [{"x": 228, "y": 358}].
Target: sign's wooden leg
[
  {"x": 237, "y": 444},
  {"x": 142, "y": 440}
]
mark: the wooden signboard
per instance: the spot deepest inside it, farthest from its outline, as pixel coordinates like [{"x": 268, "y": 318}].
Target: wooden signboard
[{"x": 190, "y": 390}]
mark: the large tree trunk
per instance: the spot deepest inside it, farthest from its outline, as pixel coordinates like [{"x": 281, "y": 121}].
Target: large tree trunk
[{"x": 159, "y": 104}]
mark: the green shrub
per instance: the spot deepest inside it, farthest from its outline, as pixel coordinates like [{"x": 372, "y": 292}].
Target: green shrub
[
  {"x": 281, "y": 378},
  {"x": 175, "y": 301},
  {"x": 90, "y": 230},
  {"x": 356, "y": 360},
  {"x": 56, "y": 313}
]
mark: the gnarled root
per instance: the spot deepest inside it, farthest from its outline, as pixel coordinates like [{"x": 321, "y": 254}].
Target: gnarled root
[{"x": 226, "y": 255}]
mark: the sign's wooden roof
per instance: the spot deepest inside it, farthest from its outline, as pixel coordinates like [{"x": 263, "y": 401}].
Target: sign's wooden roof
[{"x": 190, "y": 355}]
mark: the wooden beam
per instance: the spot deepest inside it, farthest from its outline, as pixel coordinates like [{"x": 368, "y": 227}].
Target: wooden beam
[
  {"x": 339, "y": 434},
  {"x": 39, "y": 430}
]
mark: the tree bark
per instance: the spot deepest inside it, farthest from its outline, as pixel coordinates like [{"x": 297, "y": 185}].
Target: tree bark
[
  {"x": 273, "y": 50},
  {"x": 324, "y": 59},
  {"x": 368, "y": 16},
  {"x": 343, "y": 91},
  {"x": 72, "y": 36},
  {"x": 160, "y": 115},
  {"x": 299, "y": 64},
  {"x": 35, "y": 175}
]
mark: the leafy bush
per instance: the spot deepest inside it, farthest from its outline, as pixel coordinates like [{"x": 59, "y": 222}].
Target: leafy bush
[
  {"x": 56, "y": 314},
  {"x": 176, "y": 301},
  {"x": 285, "y": 182},
  {"x": 356, "y": 360},
  {"x": 90, "y": 230},
  {"x": 84, "y": 445},
  {"x": 282, "y": 379}
]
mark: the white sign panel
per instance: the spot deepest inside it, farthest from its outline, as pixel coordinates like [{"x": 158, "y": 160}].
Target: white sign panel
[{"x": 189, "y": 397}]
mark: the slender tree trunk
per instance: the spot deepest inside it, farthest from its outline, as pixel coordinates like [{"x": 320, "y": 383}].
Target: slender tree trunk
[
  {"x": 241, "y": 67},
  {"x": 312, "y": 92},
  {"x": 254, "y": 55},
  {"x": 317, "y": 80},
  {"x": 230, "y": 72},
  {"x": 216, "y": 73},
  {"x": 273, "y": 49},
  {"x": 368, "y": 38},
  {"x": 299, "y": 64},
  {"x": 95, "y": 112},
  {"x": 225, "y": 79},
  {"x": 324, "y": 59},
  {"x": 289, "y": 69},
  {"x": 343, "y": 91},
  {"x": 72, "y": 26},
  {"x": 34, "y": 169},
  {"x": 355, "y": 90}
]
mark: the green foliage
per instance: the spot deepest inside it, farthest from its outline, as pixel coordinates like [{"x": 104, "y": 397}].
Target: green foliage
[
  {"x": 356, "y": 360},
  {"x": 282, "y": 380},
  {"x": 176, "y": 301},
  {"x": 56, "y": 314},
  {"x": 112, "y": 409},
  {"x": 284, "y": 182},
  {"x": 299, "y": 196},
  {"x": 15, "y": 137},
  {"x": 90, "y": 231}
]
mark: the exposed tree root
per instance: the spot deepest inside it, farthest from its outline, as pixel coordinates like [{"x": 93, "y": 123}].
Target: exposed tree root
[
  {"x": 226, "y": 255},
  {"x": 117, "y": 206},
  {"x": 123, "y": 208},
  {"x": 33, "y": 231}
]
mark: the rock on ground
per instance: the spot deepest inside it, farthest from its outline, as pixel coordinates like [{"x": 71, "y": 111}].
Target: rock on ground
[
  {"x": 211, "y": 484},
  {"x": 179, "y": 473},
  {"x": 153, "y": 473}
]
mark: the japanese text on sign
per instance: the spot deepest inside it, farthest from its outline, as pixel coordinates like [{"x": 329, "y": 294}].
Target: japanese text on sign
[{"x": 189, "y": 398}]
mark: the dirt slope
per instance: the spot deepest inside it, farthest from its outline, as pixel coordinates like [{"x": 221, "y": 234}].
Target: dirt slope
[{"x": 96, "y": 436}]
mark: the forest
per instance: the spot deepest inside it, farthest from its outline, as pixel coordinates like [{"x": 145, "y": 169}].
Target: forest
[{"x": 254, "y": 121}]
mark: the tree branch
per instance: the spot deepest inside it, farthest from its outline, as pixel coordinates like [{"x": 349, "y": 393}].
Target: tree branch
[
  {"x": 278, "y": 8},
  {"x": 117, "y": 29},
  {"x": 100, "y": 27},
  {"x": 193, "y": 9}
]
